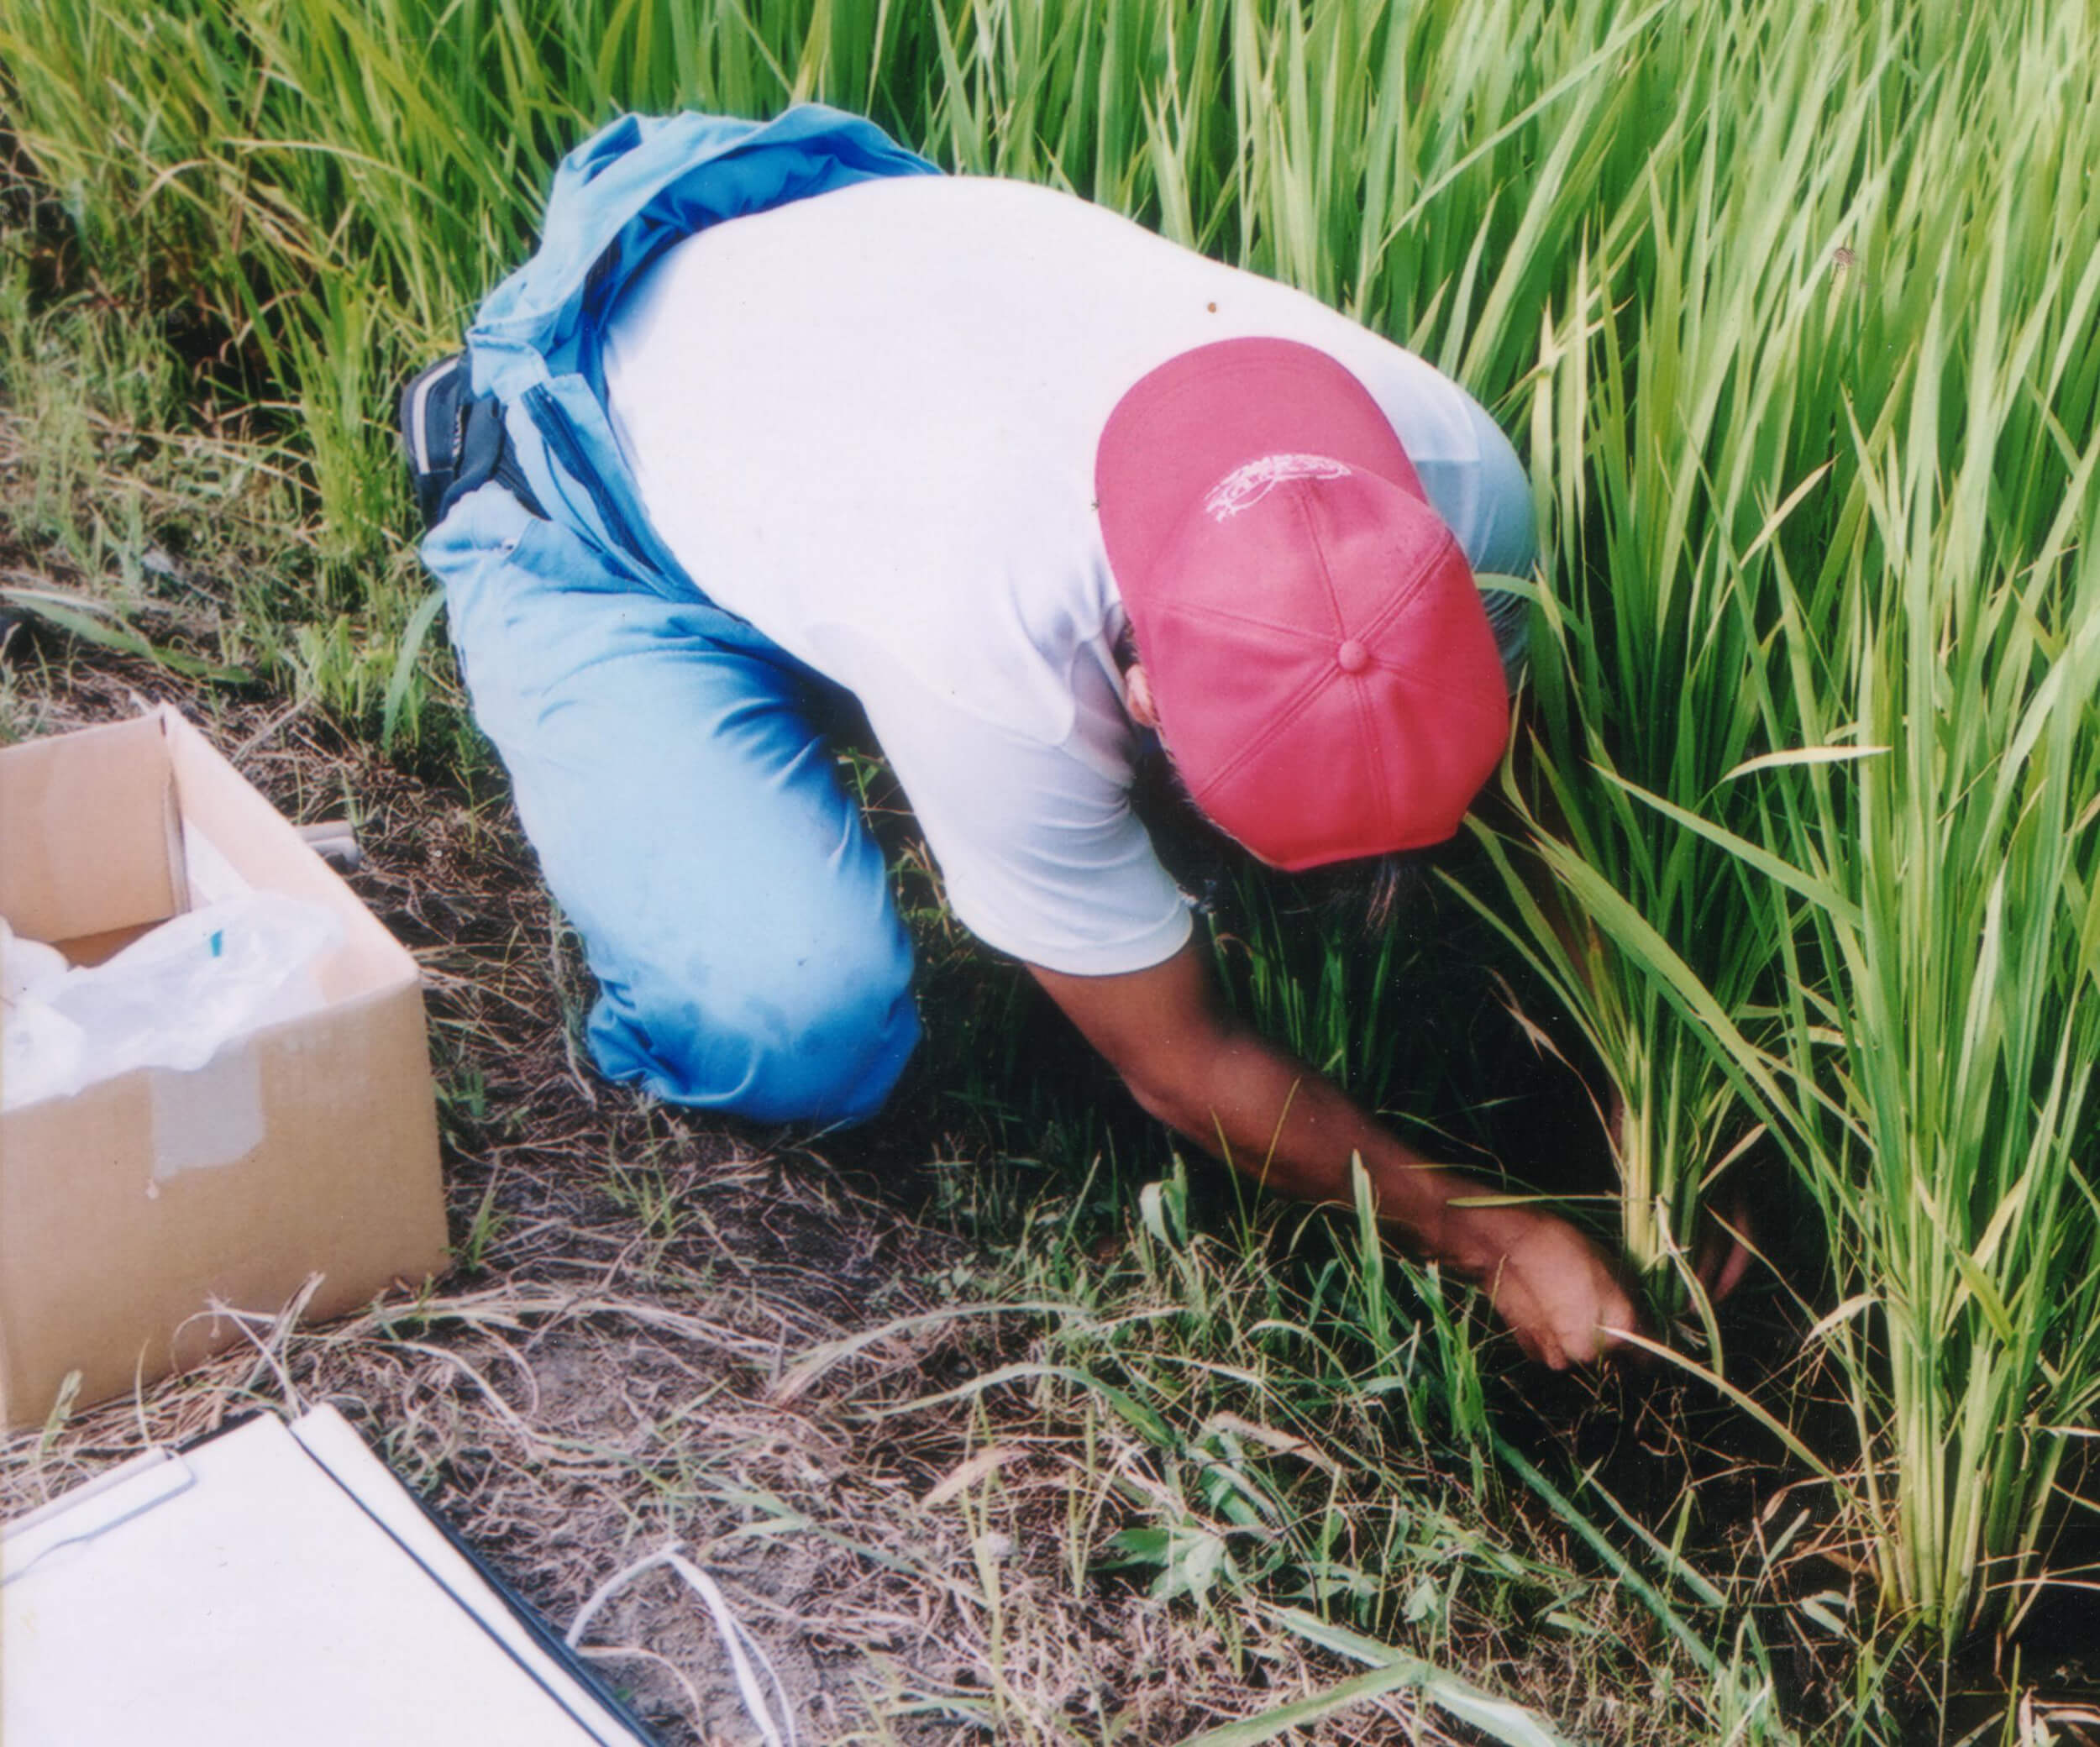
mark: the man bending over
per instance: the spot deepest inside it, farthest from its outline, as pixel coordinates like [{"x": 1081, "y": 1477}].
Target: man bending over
[{"x": 777, "y": 410}]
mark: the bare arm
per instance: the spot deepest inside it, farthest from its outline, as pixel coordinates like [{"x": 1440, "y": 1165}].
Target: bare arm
[{"x": 1214, "y": 1080}]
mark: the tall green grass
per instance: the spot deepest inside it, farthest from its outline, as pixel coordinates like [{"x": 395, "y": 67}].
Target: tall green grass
[
  {"x": 1949, "y": 879},
  {"x": 1824, "y": 496},
  {"x": 1792, "y": 305}
]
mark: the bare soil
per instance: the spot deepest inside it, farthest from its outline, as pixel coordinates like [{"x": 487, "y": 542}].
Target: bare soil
[
  {"x": 601, "y": 1377},
  {"x": 667, "y": 1330},
  {"x": 590, "y": 1382}
]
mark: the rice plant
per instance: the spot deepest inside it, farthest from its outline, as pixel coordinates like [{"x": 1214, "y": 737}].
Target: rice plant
[
  {"x": 1951, "y": 884},
  {"x": 1844, "y": 712},
  {"x": 1791, "y": 306}
]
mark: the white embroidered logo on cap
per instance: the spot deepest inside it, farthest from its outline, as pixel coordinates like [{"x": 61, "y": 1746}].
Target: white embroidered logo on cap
[{"x": 1245, "y": 486}]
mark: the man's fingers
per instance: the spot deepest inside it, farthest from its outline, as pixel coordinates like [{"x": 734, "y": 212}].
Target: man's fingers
[
  {"x": 1722, "y": 1261},
  {"x": 1725, "y": 1252},
  {"x": 1601, "y": 1339},
  {"x": 1621, "y": 1326},
  {"x": 1528, "y": 1339},
  {"x": 1622, "y": 1342},
  {"x": 1732, "y": 1270},
  {"x": 1561, "y": 1298},
  {"x": 1534, "y": 1336}
]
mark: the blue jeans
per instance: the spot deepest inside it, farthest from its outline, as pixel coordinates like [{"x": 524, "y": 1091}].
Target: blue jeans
[
  {"x": 668, "y": 769},
  {"x": 690, "y": 822}
]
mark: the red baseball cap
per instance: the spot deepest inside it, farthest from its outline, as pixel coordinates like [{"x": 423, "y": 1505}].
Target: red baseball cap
[{"x": 1327, "y": 683}]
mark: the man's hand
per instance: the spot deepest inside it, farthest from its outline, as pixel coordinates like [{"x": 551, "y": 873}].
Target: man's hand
[
  {"x": 1562, "y": 1298},
  {"x": 1277, "y": 1121}
]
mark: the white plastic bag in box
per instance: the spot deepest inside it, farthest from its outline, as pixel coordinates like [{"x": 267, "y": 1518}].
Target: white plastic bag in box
[{"x": 173, "y": 998}]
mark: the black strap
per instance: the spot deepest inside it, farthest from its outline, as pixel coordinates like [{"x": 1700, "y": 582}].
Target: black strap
[
  {"x": 484, "y": 453},
  {"x": 456, "y": 441}
]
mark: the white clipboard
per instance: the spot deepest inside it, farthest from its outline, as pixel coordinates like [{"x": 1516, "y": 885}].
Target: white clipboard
[{"x": 272, "y": 1582}]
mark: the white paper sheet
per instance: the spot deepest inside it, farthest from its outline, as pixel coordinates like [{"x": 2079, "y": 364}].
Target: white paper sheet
[{"x": 273, "y": 1584}]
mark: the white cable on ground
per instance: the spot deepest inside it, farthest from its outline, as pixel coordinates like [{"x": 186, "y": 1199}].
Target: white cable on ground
[{"x": 736, "y": 1639}]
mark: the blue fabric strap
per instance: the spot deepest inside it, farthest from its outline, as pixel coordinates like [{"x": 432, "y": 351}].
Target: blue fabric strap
[
  {"x": 633, "y": 189},
  {"x": 636, "y": 186}
]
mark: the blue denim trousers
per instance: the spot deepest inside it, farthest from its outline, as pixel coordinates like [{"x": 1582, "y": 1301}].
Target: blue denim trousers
[{"x": 668, "y": 767}]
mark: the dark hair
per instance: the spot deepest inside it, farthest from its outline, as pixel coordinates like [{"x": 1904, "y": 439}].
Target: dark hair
[{"x": 1368, "y": 894}]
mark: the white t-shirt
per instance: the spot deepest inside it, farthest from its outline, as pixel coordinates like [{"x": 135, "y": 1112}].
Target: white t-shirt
[{"x": 866, "y": 423}]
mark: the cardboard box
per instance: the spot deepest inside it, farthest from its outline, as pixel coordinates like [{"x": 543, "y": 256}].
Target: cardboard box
[
  {"x": 306, "y": 1148},
  {"x": 267, "y": 1582}
]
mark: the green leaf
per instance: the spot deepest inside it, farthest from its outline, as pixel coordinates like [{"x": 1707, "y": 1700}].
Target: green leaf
[
  {"x": 1498, "y": 1719},
  {"x": 412, "y": 642},
  {"x": 94, "y": 623}
]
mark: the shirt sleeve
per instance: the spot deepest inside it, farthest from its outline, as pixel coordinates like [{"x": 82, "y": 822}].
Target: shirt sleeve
[
  {"x": 1040, "y": 852},
  {"x": 1469, "y": 471}
]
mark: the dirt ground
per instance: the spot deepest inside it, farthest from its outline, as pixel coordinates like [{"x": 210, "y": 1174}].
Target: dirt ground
[
  {"x": 632, "y": 1351},
  {"x": 589, "y": 1357},
  {"x": 749, "y": 1344}
]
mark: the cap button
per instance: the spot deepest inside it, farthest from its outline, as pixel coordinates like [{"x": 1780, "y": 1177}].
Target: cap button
[{"x": 1353, "y": 657}]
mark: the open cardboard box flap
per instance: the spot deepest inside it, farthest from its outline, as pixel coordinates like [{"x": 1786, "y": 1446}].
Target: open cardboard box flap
[
  {"x": 92, "y": 836},
  {"x": 306, "y": 1148}
]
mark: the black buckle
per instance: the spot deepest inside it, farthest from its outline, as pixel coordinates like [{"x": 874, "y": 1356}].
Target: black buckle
[
  {"x": 432, "y": 405},
  {"x": 455, "y": 441}
]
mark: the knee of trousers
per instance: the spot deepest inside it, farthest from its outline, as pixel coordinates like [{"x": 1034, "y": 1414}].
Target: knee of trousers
[{"x": 818, "y": 1038}]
